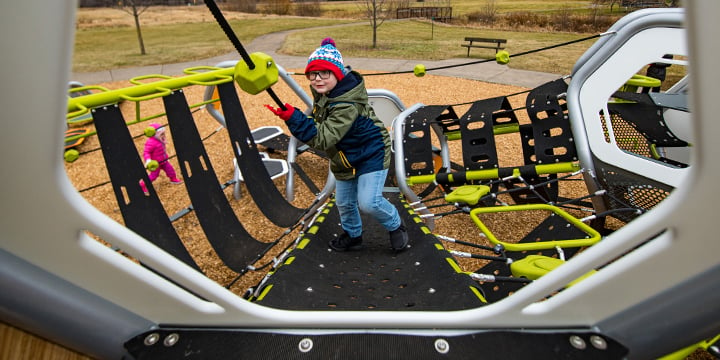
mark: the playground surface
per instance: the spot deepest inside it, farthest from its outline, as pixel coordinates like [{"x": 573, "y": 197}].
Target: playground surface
[{"x": 89, "y": 169}]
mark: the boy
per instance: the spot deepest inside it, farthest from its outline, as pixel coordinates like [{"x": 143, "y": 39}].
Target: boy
[{"x": 345, "y": 127}]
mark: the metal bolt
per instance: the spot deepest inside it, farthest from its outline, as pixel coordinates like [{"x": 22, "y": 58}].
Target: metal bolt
[
  {"x": 417, "y": 263},
  {"x": 442, "y": 346},
  {"x": 577, "y": 342},
  {"x": 598, "y": 342},
  {"x": 309, "y": 289},
  {"x": 151, "y": 339},
  {"x": 171, "y": 339},
  {"x": 431, "y": 290},
  {"x": 305, "y": 345}
]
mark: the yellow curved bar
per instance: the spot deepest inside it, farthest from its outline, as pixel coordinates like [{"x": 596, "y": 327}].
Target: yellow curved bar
[
  {"x": 137, "y": 80},
  {"x": 159, "y": 92},
  {"x": 592, "y": 235},
  {"x": 643, "y": 80},
  {"x": 141, "y": 91}
]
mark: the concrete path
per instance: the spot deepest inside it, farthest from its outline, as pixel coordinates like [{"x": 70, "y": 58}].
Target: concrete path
[{"x": 268, "y": 44}]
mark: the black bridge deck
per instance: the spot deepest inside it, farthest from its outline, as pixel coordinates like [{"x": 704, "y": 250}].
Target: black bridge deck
[{"x": 422, "y": 277}]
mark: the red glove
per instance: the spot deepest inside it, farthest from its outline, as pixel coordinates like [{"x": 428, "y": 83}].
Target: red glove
[{"x": 283, "y": 114}]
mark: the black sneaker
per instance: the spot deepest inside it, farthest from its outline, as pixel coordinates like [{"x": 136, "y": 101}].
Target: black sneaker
[
  {"x": 399, "y": 238},
  {"x": 344, "y": 243}
]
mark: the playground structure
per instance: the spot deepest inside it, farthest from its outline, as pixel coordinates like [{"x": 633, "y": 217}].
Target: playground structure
[{"x": 617, "y": 287}]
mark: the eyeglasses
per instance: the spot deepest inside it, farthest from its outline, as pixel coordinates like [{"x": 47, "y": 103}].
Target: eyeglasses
[{"x": 313, "y": 75}]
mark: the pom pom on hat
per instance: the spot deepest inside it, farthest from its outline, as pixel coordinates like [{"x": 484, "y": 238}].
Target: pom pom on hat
[
  {"x": 327, "y": 57},
  {"x": 159, "y": 129},
  {"x": 327, "y": 41}
]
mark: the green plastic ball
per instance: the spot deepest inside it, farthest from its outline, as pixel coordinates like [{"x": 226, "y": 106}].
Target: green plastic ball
[
  {"x": 149, "y": 131},
  {"x": 419, "y": 70},
  {"x": 502, "y": 57},
  {"x": 71, "y": 155},
  {"x": 152, "y": 165}
]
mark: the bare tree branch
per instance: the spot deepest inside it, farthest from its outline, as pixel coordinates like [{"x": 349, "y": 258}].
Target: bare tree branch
[
  {"x": 377, "y": 11},
  {"x": 135, "y": 8}
]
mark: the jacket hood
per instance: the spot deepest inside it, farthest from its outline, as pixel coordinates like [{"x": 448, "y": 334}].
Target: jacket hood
[{"x": 350, "y": 89}]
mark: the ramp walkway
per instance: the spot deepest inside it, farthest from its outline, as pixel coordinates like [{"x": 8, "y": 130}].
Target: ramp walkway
[{"x": 422, "y": 277}]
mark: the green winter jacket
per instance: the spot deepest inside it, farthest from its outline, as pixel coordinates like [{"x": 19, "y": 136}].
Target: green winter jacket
[{"x": 345, "y": 127}]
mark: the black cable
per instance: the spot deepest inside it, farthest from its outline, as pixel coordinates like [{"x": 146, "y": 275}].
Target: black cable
[
  {"x": 630, "y": 209},
  {"x": 95, "y": 186},
  {"x": 500, "y": 111},
  {"x": 489, "y": 60},
  {"x": 267, "y": 249},
  {"x": 225, "y": 26},
  {"x": 495, "y": 278},
  {"x": 135, "y": 137},
  {"x": 557, "y": 45},
  {"x": 479, "y": 246}
]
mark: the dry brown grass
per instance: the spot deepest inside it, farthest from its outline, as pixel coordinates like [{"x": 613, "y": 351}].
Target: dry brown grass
[{"x": 154, "y": 15}]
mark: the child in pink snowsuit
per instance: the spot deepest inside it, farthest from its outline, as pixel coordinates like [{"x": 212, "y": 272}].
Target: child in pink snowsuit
[{"x": 155, "y": 150}]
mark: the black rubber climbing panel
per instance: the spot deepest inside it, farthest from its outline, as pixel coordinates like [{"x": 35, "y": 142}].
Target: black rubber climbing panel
[
  {"x": 143, "y": 214},
  {"x": 259, "y": 184},
  {"x": 478, "y": 139},
  {"x": 423, "y": 277},
  {"x": 551, "y": 126},
  {"x": 232, "y": 243},
  {"x": 417, "y": 144}
]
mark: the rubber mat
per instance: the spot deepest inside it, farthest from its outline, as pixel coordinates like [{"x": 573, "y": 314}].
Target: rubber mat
[
  {"x": 143, "y": 214},
  {"x": 422, "y": 277},
  {"x": 227, "y": 235},
  {"x": 259, "y": 184}
]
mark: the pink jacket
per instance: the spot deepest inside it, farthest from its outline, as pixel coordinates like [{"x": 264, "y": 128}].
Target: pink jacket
[{"x": 154, "y": 150}]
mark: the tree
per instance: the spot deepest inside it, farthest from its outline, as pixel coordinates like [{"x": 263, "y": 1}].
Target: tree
[
  {"x": 377, "y": 11},
  {"x": 135, "y": 8},
  {"x": 596, "y": 4}
]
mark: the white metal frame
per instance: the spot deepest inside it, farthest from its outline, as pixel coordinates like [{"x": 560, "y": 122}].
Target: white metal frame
[{"x": 88, "y": 297}]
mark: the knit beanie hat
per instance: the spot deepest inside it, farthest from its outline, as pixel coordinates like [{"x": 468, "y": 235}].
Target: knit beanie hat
[
  {"x": 159, "y": 129},
  {"x": 326, "y": 57}
]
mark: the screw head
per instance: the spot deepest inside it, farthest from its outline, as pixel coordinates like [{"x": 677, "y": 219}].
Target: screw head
[
  {"x": 171, "y": 339},
  {"x": 305, "y": 345},
  {"x": 442, "y": 346},
  {"x": 577, "y": 342},
  {"x": 151, "y": 339},
  {"x": 598, "y": 342}
]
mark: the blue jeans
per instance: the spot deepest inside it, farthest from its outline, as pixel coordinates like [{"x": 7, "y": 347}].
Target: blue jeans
[{"x": 364, "y": 193}]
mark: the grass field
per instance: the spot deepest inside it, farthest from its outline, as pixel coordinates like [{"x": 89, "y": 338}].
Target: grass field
[{"x": 107, "y": 38}]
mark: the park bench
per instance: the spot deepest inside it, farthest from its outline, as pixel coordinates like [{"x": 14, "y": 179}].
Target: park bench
[{"x": 473, "y": 42}]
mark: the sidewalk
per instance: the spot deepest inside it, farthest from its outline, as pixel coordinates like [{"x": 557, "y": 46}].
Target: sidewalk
[{"x": 268, "y": 44}]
